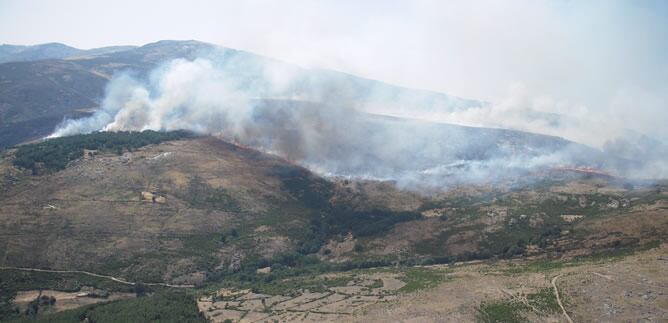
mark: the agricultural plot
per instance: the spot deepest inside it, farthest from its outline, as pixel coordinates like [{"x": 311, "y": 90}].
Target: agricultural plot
[{"x": 336, "y": 303}]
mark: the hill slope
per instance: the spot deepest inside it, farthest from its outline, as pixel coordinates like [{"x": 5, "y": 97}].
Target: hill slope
[
  {"x": 211, "y": 206},
  {"x": 207, "y": 212},
  {"x": 91, "y": 215}
]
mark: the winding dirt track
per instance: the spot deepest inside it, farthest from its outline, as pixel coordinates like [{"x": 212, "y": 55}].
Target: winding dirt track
[
  {"x": 556, "y": 293},
  {"x": 116, "y": 279}
]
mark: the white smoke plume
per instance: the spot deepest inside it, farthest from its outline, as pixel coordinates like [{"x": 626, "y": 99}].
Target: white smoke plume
[
  {"x": 182, "y": 95},
  {"x": 521, "y": 111},
  {"x": 330, "y": 123}
]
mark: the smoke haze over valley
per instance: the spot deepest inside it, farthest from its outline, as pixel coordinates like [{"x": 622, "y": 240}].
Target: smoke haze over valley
[
  {"x": 341, "y": 125},
  {"x": 333, "y": 161},
  {"x": 551, "y": 69}
]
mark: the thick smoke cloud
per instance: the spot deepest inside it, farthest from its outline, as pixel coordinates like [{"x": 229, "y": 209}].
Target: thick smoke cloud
[
  {"x": 520, "y": 110},
  {"x": 607, "y": 57},
  {"x": 338, "y": 125}
]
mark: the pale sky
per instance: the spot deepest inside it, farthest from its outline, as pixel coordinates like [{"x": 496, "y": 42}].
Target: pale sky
[{"x": 609, "y": 56}]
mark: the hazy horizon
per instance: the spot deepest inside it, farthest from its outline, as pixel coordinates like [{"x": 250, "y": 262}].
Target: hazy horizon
[
  {"x": 600, "y": 62},
  {"x": 334, "y": 161}
]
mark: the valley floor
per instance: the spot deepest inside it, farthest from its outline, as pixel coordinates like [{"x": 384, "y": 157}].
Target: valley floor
[
  {"x": 629, "y": 287},
  {"x": 619, "y": 289}
]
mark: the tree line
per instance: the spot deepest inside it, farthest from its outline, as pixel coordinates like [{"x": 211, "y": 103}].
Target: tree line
[{"x": 54, "y": 154}]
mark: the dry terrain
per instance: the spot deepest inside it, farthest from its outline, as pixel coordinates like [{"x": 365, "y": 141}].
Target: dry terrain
[
  {"x": 93, "y": 212},
  {"x": 634, "y": 288},
  {"x": 67, "y": 300},
  {"x": 617, "y": 289},
  {"x": 262, "y": 239}
]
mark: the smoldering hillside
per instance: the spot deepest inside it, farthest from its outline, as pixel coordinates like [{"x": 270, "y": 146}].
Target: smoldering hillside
[{"x": 331, "y": 123}]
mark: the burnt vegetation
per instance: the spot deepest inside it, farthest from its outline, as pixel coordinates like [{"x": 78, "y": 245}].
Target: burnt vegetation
[{"x": 329, "y": 219}]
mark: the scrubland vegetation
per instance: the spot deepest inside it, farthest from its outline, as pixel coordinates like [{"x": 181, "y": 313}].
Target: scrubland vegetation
[
  {"x": 54, "y": 154},
  {"x": 166, "y": 306},
  {"x": 225, "y": 204}
]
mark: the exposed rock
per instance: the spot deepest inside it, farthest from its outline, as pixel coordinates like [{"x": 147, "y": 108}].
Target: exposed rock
[
  {"x": 434, "y": 212},
  {"x": 536, "y": 220},
  {"x": 235, "y": 262},
  {"x": 125, "y": 158},
  {"x": 335, "y": 250},
  {"x": 613, "y": 204},
  {"x": 571, "y": 217},
  {"x": 152, "y": 197},
  {"x": 89, "y": 153},
  {"x": 582, "y": 201}
]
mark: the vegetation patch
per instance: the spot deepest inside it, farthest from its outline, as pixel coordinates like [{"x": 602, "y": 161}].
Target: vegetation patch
[
  {"x": 12, "y": 281},
  {"x": 509, "y": 311},
  {"x": 542, "y": 303},
  {"x": 544, "y": 300},
  {"x": 293, "y": 285},
  {"x": 417, "y": 278},
  {"x": 328, "y": 219},
  {"x": 54, "y": 154},
  {"x": 200, "y": 195},
  {"x": 168, "y": 306}
]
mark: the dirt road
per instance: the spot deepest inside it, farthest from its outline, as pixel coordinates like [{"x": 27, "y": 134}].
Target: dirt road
[
  {"x": 116, "y": 279},
  {"x": 556, "y": 293}
]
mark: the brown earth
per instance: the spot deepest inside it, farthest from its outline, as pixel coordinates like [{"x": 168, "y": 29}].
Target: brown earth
[
  {"x": 594, "y": 290},
  {"x": 65, "y": 300},
  {"x": 92, "y": 213},
  {"x": 610, "y": 290}
]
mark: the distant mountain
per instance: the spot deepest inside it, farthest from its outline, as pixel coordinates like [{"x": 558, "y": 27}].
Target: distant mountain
[
  {"x": 14, "y": 53},
  {"x": 35, "y": 95},
  {"x": 18, "y": 53}
]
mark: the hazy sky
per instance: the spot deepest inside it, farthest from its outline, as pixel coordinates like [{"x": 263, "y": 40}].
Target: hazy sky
[{"x": 607, "y": 57}]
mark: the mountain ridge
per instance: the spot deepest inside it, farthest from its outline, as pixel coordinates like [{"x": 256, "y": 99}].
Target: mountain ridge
[
  {"x": 54, "y": 50},
  {"x": 57, "y": 76}
]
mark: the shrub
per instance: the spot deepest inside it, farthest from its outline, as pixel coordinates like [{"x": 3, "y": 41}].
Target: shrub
[{"x": 140, "y": 290}]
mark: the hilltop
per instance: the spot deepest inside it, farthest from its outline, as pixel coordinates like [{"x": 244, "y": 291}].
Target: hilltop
[{"x": 19, "y": 53}]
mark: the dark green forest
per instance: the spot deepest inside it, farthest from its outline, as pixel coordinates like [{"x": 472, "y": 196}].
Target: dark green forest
[{"x": 54, "y": 154}]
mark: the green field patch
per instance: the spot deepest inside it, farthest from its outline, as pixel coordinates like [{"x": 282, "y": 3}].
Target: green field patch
[
  {"x": 506, "y": 311},
  {"x": 417, "y": 278}
]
